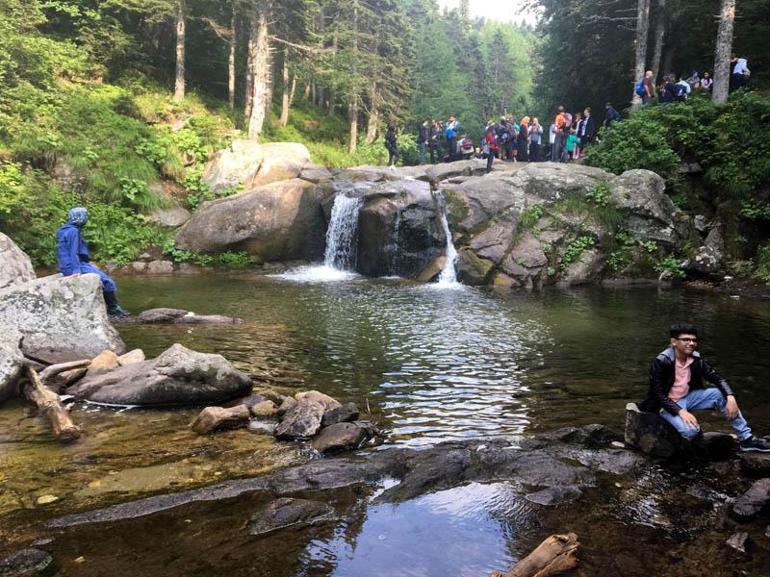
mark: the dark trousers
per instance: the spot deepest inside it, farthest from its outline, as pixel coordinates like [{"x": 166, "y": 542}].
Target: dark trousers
[
  {"x": 452, "y": 144},
  {"x": 534, "y": 151},
  {"x": 557, "y": 148},
  {"x": 433, "y": 154},
  {"x": 393, "y": 156},
  {"x": 490, "y": 159}
]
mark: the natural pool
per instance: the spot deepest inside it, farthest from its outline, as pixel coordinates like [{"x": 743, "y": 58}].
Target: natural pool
[{"x": 428, "y": 365}]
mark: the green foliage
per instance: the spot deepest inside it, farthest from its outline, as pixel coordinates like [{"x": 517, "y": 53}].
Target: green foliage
[
  {"x": 237, "y": 260},
  {"x": 599, "y": 195},
  {"x": 530, "y": 215},
  {"x": 575, "y": 249},
  {"x": 670, "y": 266},
  {"x": 754, "y": 209},
  {"x": 621, "y": 255},
  {"x": 179, "y": 255},
  {"x": 762, "y": 272}
]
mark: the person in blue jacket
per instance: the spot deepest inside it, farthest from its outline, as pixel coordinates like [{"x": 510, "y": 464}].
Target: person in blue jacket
[{"x": 74, "y": 258}]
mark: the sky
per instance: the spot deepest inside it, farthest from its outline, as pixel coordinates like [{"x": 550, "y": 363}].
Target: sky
[{"x": 502, "y": 10}]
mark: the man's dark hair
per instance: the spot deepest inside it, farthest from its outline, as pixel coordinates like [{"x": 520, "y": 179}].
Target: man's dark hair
[{"x": 680, "y": 329}]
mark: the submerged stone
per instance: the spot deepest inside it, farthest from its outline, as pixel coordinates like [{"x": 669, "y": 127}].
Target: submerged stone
[
  {"x": 26, "y": 563},
  {"x": 554, "y": 495},
  {"x": 289, "y": 513}
]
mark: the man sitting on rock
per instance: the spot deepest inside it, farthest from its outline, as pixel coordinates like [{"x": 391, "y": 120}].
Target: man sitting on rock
[
  {"x": 74, "y": 258},
  {"x": 676, "y": 389}
]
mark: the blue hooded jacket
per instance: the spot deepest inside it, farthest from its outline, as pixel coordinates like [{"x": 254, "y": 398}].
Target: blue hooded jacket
[{"x": 71, "y": 249}]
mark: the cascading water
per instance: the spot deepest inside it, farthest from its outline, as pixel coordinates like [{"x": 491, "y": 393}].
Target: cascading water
[
  {"x": 341, "y": 236},
  {"x": 341, "y": 245},
  {"x": 448, "y": 276}
]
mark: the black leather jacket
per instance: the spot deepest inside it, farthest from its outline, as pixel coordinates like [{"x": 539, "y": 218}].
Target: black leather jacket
[{"x": 662, "y": 379}]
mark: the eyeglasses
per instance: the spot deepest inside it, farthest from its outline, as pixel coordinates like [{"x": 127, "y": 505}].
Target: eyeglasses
[{"x": 687, "y": 339}]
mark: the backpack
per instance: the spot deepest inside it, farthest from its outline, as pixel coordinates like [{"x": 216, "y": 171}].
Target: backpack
[
  {"x": 679, "y": 90},
  {"x": 639, "y": 88}
]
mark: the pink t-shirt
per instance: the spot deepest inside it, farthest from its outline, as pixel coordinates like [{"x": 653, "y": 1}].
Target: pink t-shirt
[{"x": 681, "y": 385}]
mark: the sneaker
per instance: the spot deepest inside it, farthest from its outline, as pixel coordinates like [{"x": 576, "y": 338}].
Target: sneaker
[
  {"x": 754, "y": 444},
  {"x": 118, "y": 311}
]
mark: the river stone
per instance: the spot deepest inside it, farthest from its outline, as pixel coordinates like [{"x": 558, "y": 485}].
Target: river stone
[
  {"x": 652, "y": 434},
  {"x": 160, "y": 267},
  {"x": 104, "y": 362},
  {"x": 178, "y": 376},
  {"x": 287, "y": 404},
  {"x": 276, "y": 222},
  {"x": 131, "y": 357},
  {"x": 709, "y": 258},
  {"x": 11, "y": 364},
  {"x": 172, "y": 217},
  {"x": 739, "y": 541},
  {"x": 182, "y": 317},
  {"x": 213, "y": 419},
  {"x": 399, "y": 230},
  {"x": 649, "y": 212},
  {"x": 302, "y": 421},
  {"x": 751, "y": 503},
  {"x": 343, "y": 414},
  {"x": 248, "y": 164},
  {"x": 287, "y": 512},
  {"x": 755, "y": 464},
  {"x": 587, "y": 268},
  {"x": 26, "y": 563},
  {"x": 61, "y": 318},
  {"x": 261, "y": 427},
  {"x": 471, "y": 269},
  {"x": 553, "y": 496},
  {"x": 264, "y": 409},
  {"x": 343, "y": 436},
  {"x": 319, "y": 397},
  {"x": 432, "y": 270},
  {"x": 15, "y": 266}
]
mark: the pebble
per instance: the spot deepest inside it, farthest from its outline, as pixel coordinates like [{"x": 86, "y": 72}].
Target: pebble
[
  {"x": 46, "y": 499},
  {"x": 80, "y": 559},
  {"x": 739, "y": 541},
  {"x": 617, "y": 445}
]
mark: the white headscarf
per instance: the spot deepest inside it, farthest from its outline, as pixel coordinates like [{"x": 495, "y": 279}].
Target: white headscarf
[{"x": 742, "y": 67}]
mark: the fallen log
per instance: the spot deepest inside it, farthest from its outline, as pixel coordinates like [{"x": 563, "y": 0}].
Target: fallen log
[
  {"x": 553, "y": 556},
  {"x": 52, "y": 370},
  {"x": 49, "y": 405}
]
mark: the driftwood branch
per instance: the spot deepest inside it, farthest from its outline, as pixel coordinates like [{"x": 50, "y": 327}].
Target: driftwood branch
[
  {"x": 553, "y": 556},
  {"x": 49, "y": 372},
  {"x": 302, "y": 47},
  {"x": 49, "y": 405}
]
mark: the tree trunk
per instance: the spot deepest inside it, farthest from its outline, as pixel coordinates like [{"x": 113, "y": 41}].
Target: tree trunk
[
  {"x": 292, "y": 90},
  {"x": 373, "y": 123},
  {"x": 307, "y": 91},
  {"x": 640, "y": 57},
  {"x": 353, "y": 119},
  {"x": 285, "y": 98},
  {"x": 660, "y": 33},
  {"x": 724, "y": 49},
  {"x": 231, "y": 60},
  {"x": 330, "y": 93},
  {"x": 251, "y": 49},
  {"x": 180, "y": 32},
  {"x": 260, "y": 73}
]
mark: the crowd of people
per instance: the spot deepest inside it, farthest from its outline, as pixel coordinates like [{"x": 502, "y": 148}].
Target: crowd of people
[{"x": 678, "y": 89}]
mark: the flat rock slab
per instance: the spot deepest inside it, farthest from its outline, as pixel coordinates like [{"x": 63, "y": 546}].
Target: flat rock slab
[
  {"x": 288, "y": 513},
  {"x": 61, "y": 318},
  {"x": 168, "y": 316},
  {"x": 751, "y": 503},
  {"x": 178, "y": 376},
  {"x": 25, "y": 563}
]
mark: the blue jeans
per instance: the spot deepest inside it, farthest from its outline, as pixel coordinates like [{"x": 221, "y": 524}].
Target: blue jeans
[
  {"x": 710, "y": 398},
  {"x": 423, "y": 149}
]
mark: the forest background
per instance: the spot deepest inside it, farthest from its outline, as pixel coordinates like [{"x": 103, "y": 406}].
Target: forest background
[{"x": 119, "y": 103}]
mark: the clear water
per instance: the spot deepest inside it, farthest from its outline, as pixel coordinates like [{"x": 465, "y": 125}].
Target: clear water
[{"x": 427, "y": 366}]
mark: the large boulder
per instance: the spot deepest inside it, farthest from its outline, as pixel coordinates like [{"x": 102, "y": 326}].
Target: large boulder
[
  {"x": 279, "y": 221},
  {"x": 399, "y": 230},
  {"x": 249, "y": 164},
  {"x": 11, "y": 360},
  {"x": 60, "y": 318},
  {"x": 15, "y": 266},
  {"x": 170, "y": 217},
  {"x": 178, "y": 376}
]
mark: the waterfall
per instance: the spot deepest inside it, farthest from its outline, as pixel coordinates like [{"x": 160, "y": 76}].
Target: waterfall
[
  {"x": 342, "y": 234},
  {"x": 448, "y": 276}
]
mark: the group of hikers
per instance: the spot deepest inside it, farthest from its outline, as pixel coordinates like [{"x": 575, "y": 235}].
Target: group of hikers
[{"x": 672, "y": 90}]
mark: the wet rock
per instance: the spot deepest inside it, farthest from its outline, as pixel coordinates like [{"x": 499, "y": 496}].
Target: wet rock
[
  {"x": 286, "y": 405},
  {"x": 494, "y": 242},
  {"x": 178, "y": 376},
  {"x": 343, "y": 436},
  {"x": 138, "y": 267},
  {"x": 553, "y": 496},
  {"x": 302, "y": 421},
  {"x": 262, "y": 427},
  {"x": 718, "y": 446},
  {"x": 46, "y": 499},
  {"x": 328, "y": 402},
  {"x": 431, "y": 270},
  {"x": 739, "y": 542},
  {"x": 755, "y": 464},
  {"x": 104, "y": 362},
  {"x": 751, "y": 503},
  {"x": 587, "y": 268},
  {"x": 11, "y": 365},
  {"x": 651, "y": 434},
  {"x": 286, "y": 512},
  {"x": 212, "y": 419},
  {"x": 709, "y": 258},
  {"x": 26, "y": 563},
  {"x": 160, "y": 267},
  {"x": 265, "y": 409},
  {"x": 343, "y": 414},
  {"x": 61, "y": 318},
  {"x": 277, "y": 222},
  {"x": 478, "y": 201},
  {"x": 172, "y": 217},
  {"x": 315, "y": 173},
  {"x": 616, "y": 462},
  {"x": 440, "y": 172},
  {"x": 399, "y": 231},
  {"x": 15, "y": 266},
  {"x": 182, "y": 317},
  {"x": 248, "y": 164},
  {"x": 471, "y": 269}
]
